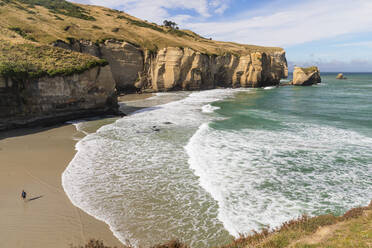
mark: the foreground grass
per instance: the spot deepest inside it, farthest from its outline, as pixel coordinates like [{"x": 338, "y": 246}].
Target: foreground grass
[
  {"x": 353, "y": 229},
  {"x": 29, "y": 60},
  {"x": 322, "y": 231}
]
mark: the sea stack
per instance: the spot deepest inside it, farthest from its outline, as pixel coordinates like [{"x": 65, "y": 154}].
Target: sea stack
[
  {"x": 341, "y": 76},
  {"x": 306, "y": 76}
]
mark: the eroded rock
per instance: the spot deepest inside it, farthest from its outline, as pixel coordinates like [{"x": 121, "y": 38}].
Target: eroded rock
[
  {"x": 306, "y": 76},
  {"x": 50, "y": 100}
]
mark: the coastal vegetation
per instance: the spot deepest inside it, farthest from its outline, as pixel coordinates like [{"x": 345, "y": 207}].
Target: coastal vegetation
[
  {"x": 29, "y": 60},
  {"x": 353, "y": 229}
]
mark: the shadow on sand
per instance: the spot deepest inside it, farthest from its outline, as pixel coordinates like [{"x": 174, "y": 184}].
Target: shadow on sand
[{"x": 35, "y": 198}]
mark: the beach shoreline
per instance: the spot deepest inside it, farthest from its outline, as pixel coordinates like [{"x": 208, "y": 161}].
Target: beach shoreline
[{"x": 33, "y": 159}]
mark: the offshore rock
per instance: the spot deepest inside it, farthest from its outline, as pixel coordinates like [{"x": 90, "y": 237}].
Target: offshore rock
[
  {"x": 341, "y": 76},
  {"x": 306, "y": 76}
]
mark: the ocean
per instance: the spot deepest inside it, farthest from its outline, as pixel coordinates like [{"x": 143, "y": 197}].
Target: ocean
[{"x": 214, "y": 164}]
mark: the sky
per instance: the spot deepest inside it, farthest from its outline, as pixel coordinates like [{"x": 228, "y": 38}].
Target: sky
[{"x": 335, "y": 35}]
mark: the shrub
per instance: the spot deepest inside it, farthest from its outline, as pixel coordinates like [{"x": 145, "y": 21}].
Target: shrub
[
  {"x": 22, "y": 33},
  {"x": 96, "y": 27}
]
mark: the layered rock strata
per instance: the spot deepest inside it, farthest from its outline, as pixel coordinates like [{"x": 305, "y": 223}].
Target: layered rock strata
[
  {"x": 50, "y": 100},
  {"x": 306, "y": 76},
  {"x": 175, "y": 68}
]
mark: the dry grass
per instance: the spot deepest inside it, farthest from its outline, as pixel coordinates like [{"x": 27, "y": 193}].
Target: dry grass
[{"x": 47, "y": 24}]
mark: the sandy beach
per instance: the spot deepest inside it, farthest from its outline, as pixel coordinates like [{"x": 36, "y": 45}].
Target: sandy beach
[{"x": 34, "y": 160}]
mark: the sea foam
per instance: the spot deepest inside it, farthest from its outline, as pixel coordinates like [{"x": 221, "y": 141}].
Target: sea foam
[
  {"x": 263, "y": 178},
  {"x": 209, "y": 108},
  {"x": 133, "y": 175}
]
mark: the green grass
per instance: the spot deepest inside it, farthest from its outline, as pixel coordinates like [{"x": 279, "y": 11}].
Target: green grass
[
  {"x": 58, "y": 6},
  {"x": 26, "y": 61}
]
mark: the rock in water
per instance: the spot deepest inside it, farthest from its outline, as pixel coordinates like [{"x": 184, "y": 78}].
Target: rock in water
[
  {"x": 306, "y": 76},
  {"x": 341, "y": 76}
]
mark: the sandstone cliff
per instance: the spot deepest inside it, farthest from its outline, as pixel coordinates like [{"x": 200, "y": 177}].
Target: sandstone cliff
[
  {"x": 50, "y": 100},
  {"x": 175, "y": 68},
  {"x": 306, "y": 76}
]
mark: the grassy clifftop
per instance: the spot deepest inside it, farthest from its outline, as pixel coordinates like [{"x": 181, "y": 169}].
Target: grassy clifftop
[
  {"x": 21, "y": 61},
  {"x": 45, "y": 21},
  {"x": 353, "y": 229}
]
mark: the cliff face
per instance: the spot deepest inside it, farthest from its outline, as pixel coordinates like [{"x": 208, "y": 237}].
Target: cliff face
[
  {"x": 176, "y": 68},
  {"x": 51, "y": 100}
]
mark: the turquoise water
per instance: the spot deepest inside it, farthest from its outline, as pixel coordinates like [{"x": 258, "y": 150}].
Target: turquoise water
[{"x": 224, "y": 162}]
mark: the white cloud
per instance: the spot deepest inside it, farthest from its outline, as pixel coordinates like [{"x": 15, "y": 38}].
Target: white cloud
[
  {"x": 355, "y": 44},
  {"x": 296, "y": 24},
  {"x": 219, "y": 6}
]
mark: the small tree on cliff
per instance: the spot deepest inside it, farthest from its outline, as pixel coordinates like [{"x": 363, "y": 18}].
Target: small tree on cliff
[{"x": 170, "y": 24}]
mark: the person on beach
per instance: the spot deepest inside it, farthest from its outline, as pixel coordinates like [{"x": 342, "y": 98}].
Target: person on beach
[{"x": 24, "y": 194}]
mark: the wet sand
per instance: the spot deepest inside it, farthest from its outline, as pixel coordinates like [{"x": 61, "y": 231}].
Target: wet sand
[{"x": 34, "y": 160}]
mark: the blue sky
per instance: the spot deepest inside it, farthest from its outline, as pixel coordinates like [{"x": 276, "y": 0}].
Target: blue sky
[{"x": 336, "y": 35}]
